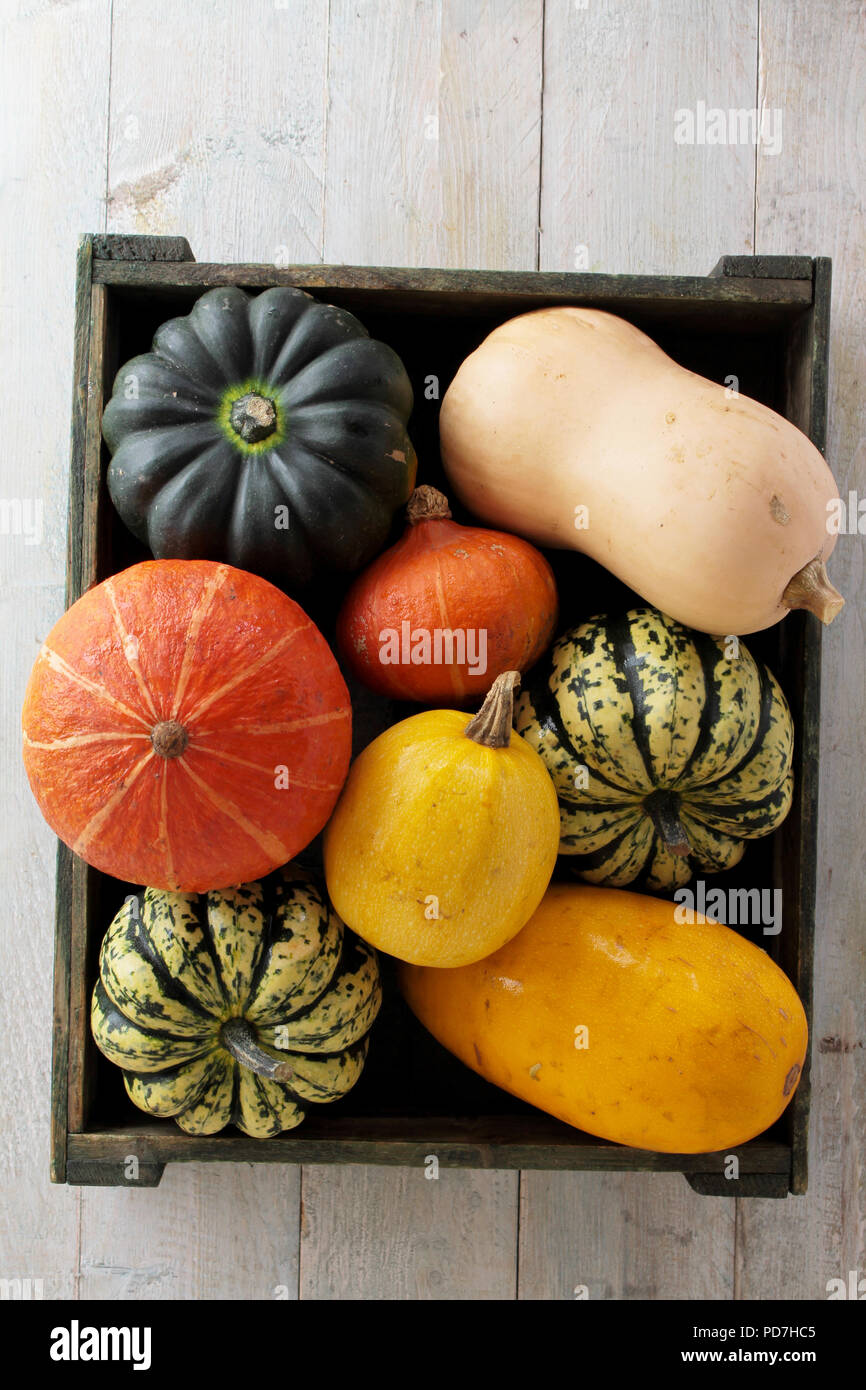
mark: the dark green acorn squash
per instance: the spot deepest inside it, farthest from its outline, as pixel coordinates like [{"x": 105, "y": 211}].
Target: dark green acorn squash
[{"x": 266, "y": 431}]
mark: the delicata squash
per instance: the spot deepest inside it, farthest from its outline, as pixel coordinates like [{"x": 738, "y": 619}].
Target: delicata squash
[
  {"x": 235, "y": 1007},
  {"x": 574, "y": 429},
  {"x": 669, "y": 749}
]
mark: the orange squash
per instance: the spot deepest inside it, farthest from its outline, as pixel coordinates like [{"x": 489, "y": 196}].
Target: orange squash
[
  {"x": 447, "y": 609},
  {"x": 186, "y": 727},
  {"x": 613, "y": 1015}
]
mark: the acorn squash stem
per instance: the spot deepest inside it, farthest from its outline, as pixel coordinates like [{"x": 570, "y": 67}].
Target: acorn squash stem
[
  {"x": 238, "y": 1038},
  {"x": 811, "y": 588},
  {"x": 492, "y": 724},
  {"x": 663, "y": 807},
  {"x": 253, "y": 417}
]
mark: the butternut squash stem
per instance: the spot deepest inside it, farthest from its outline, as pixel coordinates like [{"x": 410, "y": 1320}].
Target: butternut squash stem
[
  {"x": 492, "y": 724},
  {"x": 811, "y": 589},
  {"x": 238, "y": 1038},
  {"x": 662, "y": 807},
  {"x": 427, "y": 504}
]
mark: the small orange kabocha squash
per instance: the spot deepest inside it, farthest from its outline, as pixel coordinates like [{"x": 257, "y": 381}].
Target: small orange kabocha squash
[
  {"x": 447, "y": 609},
  {"x": 238, "y": 1007}
]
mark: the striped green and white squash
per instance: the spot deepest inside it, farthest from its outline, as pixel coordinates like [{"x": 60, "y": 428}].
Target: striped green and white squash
[
  {"x": 668, "y": 748},
  {"x": 240, "y": 1006}
]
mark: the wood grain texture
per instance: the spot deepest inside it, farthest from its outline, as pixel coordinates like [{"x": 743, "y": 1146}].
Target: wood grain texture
[
  {"x": 434, "y": 133},
  {"x": 588, "y": 1236},
  {"x": 53, "y": 186},
  {"x": 618, "y": 192},
  {"x": 810, "y": 197},
  {"x": 370, "y": 1233},
  {"x": 217, "y": 126},
  {"x": 204, "y": 1233}
]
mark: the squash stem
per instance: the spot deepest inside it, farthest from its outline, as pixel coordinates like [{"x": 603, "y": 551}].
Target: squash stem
[
  {"x": 663, "y": 807},
  {"x": 253, "y": 417},
  {"x": 427, "y": 504},
  {"x": 811, "y": 589},
  {"x": 169, "y": 738},
  {"x": 492, "y": 724},
  {"x": 238, "y": 1038}
]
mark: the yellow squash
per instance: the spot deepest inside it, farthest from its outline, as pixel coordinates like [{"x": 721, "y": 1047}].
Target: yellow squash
[
  {"x": 615, "y": 1017},
  {"x": 445, "y": 836}
]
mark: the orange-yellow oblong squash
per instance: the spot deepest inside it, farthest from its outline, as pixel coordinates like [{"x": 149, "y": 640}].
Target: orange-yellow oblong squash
[{"x": 694, "y": 1039}]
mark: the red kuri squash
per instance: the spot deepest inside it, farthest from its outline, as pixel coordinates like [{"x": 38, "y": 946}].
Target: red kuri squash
[
  {"x": 447, "y": 609},
  {"x": 186, "y": 726}
]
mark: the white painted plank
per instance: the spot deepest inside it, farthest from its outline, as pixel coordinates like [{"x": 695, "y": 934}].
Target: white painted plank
[
  {"x": 217, "y": 126},
  {"x": 590, "y": 1236},
  {"x": 620, "y": 194},
  {"x": 393, "y": 1233},
  {"x": 810, "y": 201},
  {"x": 433, "y": 133},
  {"x": 53, "y": 185},
  {"x": 207, "y": 1232}
]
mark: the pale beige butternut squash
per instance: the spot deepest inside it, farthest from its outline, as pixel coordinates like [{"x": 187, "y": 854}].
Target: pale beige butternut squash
[{"x": 571, "y": 427}]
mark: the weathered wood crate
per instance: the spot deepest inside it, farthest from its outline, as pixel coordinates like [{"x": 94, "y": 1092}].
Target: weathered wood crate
[{"x": 761, "y": 320}]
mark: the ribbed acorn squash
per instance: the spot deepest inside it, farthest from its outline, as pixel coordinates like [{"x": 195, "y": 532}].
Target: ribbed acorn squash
[
  {"x": 668, "y": 748},
  {"x": 268, "y": 431},
  {"x": 236, "y": 1007}
]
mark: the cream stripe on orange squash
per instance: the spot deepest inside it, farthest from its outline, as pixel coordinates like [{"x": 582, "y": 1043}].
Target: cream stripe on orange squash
[
  {"x": 446, "y": 834},
  {"x": 613, "y": 1016},
  {"x": 186, "y": 726}
]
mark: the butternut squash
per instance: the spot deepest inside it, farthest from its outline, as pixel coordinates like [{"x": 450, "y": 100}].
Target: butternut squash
[
  {"x": 571, "y": 427},
  {"x": 609, "y": 1013}
]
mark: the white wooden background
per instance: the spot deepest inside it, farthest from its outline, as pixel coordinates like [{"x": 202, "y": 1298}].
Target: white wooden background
[{"x": 507, "y": 134}]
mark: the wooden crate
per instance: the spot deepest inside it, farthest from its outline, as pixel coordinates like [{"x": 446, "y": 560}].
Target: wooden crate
[{"x": 763, "y": 320}]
